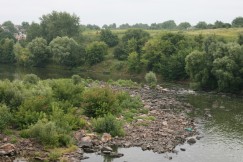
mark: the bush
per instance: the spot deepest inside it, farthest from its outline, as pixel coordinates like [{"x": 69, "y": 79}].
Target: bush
[
  {"x": 108, "y": 37},
  {"x": 76, "y": 79},
  {"x": 10, "y": 93},
  {"x": 47, "y": 133},
  {"x": 128, "y": 102},
  {"x": 151, "y": 78},
  {"x": 99, "y": 102},
  {"x": 65, "y": 90},
  {"x": 108, "y": 124},
  {"x": 5, "y": 117},
  {"x": 31, "y": 79}
]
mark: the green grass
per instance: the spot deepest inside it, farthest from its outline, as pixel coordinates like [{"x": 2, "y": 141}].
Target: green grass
[{"x": 229, "y": 34}]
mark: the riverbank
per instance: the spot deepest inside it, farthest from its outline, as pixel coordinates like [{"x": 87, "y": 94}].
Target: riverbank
[{"x": 163, "y": 126}]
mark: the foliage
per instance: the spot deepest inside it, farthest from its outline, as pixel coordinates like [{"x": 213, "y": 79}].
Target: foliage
[
  {"x": 184, "y": 25},
  {"x": 120, "y": 52},
  {"x": 47, "y": 133},
  {"x": 33, "y": 31},
  {"x": 31, "y": 79},
  {"x": 76, "y": 79},
  {"x": 166, "y": 54},
  {"x": 240, "y": 39},
  {"x": 151, "y": 78},
  {"x": 65, "y": 90},
  {"x": 109, "y": 38},
  {"x": 99, "y": 102},
  {"x": 5, "y": 118},
  {"x": 39, "y": 52},
  {"x": 22, "y": 55},
  {"x": 59, "y": 24},
  {"x": 9, "y": 26},
  {"x": 202, "y": 25},
  {"x": 237, "y": 22},
  {"x": 66, "y": 51},
  {"x": 6, "y": 51},
  {"x": 134, "y": 64},
  {"x": 108, "y": 124},
  {"x": 124, "y": 83},
  {"x": 95, "y": 52}
]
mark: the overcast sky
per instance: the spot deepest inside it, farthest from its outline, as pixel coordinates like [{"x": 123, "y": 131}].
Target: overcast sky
[{"x": 124, "y": 11}]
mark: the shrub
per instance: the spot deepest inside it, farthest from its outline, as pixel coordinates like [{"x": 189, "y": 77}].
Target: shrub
[
  {"x": 108, "y": 124},
  {"x": 65, "y": 90},
  {"x": 31, "y": 79},
  {"x": 99, "y": 102},
  {"x": 128, "y": 102},
  {"x": 10, "y": 93},
  {"x": 76, "y": 79},
  {"x": 47, "y": 133},
  {"x": 151, "y": 78},
  {"x": 5, "y": 117}
]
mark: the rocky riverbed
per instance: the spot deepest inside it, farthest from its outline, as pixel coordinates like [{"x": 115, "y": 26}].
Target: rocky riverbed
[{"x": 170, "y": 126}]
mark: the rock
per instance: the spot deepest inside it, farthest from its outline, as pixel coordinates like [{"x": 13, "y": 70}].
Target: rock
[
  {"x": 106, "y": 152},
  {"x": 199, "y": 137},
  {"x": 191, "y": 141},
  {"x": 7, "y": 149},
  {"x": 86, "y": 142},
  {"x": 116, "y": 155},
  {"x": 106, "y": 137},
  {"x": 5, "y": 139},
  {"x": 89, "y": 150},
  {"x": 164, "y": 123},
  {"x": 182, "y": 149},
  {"x": 106, "y": 148}
]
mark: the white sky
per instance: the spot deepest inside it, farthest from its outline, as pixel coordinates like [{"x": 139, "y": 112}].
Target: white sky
[{"x": 124, "y": 11}]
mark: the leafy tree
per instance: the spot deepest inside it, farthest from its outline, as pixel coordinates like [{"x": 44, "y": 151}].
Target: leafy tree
[
  {"x": 59, "y": 24},
  {"x": 6, "y": 51},
  {"x": 22, "y": 55},
  {"x": 220, "y": 24},
  {"x": 202, "y": 25},
  {"x": 120, "y": 53},
  {"x": 109, "y": 38},
  {"x": 9, "y": 26},
  {"x": 170, "y": 24},
  {"x": 240, "y": 39},
  {"x": 197, "y": 69},
  {"x": 33, "y": 31},
  {"x": 39, "y": 51},
  {"x": 66, "y": 51},
  {"x": 184, "y": 25},
  {"x": 134, "y": 64},
  {"x": 95, "y": 52},
  {"x": 25, "y": 25},
  {"x": 93, "y": 27},
  {"x": 237, "y": 22},
  {"x": 166, "y": 55}
]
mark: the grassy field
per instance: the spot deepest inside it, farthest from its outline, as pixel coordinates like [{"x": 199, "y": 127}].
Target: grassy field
[{"x": 228, "y": 34}]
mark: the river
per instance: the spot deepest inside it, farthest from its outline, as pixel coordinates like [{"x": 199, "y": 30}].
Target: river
[{"x": 219, "y": 118}]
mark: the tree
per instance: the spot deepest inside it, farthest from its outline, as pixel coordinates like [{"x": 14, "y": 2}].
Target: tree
[
  {"x": 33, "y": 31},
  {"x": 39, "y": 51},
  {"x": 10, "y": 27},
  {"x": 237, "y": 22},
  {"x": 139, "y": 35},
  {"x": 59, "y": 24},
  {"x": 134, "y": 64},
  {"x": 202, "y": 25},
  {"x": 170, "y": 24},
  {"x": 240, "y": 39},
  {"x": 66, "y": 51},
  {"x": 6, "y": 51},
  {"x": 120, "y": 53},
  {"x": 22, "y": 55},
  {"x": 184, "y": 25},
  {"x": 109, "y": 38},
  {"x": 95, "y": 52}
]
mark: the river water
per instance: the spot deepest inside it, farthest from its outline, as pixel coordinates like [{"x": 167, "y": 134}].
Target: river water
[{"x": 219, "y": 118}]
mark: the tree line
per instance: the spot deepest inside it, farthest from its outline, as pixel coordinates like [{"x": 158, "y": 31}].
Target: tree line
[{"x": 210, "y": 62}]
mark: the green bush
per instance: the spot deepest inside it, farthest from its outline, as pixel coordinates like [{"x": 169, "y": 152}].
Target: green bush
[
  {"x": 10, "y": 93},
  {"x": 65, "y": 90},
  {"x": 99, "y": 102},
  {"x": 47, "y": 133},
  {"x": 108, "y": 124},
  {"x": 5, "y": 117},
  {"x": 76, "y": 79},
  {"x": 151, "y": 78},
  {"x": 128, "y": 102},
  {"x": 31, "y": 79}
]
